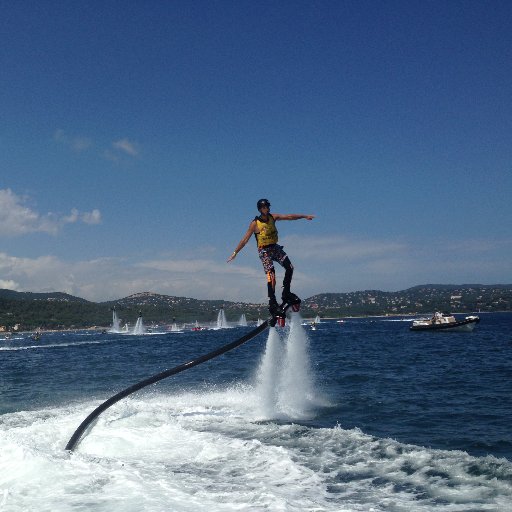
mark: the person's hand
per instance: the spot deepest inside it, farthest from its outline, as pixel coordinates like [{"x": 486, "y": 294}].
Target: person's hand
[{"x": 232, "y": 257}]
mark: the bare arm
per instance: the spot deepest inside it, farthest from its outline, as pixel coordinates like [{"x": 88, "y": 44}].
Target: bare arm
[
  {"x": 292, "y": 216},
  {"x": 245, "y": 239}
]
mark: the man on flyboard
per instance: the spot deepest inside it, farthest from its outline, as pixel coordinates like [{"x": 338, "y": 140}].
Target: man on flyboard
[{"x": 263, "y": 227}]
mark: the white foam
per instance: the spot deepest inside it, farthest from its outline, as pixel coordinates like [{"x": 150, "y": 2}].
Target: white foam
[
  {"x": 205, "y": 451},
  {"x": 269, "y": 374},
  {"x": 285, "y": 384},
  {"x": 296, "y": 387},
  {"x": 51, "y": 345}
]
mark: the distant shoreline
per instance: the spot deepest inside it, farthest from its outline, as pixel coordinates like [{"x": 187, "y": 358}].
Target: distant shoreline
[
  {"x": 58, "y": 311},
  {"x": 308, "y": 318}
]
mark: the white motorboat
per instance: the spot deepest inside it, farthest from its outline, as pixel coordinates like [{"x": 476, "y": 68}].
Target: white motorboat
[{"x": 443, "y": 322}]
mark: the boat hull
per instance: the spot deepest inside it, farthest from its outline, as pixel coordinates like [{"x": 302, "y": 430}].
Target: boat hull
[{"x": 466, "y": 325}]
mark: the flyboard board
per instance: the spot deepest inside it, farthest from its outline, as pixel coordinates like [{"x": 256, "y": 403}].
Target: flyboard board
[{"x": 278, "y": 318}]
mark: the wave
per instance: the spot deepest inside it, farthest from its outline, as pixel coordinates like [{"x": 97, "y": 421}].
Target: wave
[
  {"x": 211, "y": 450},
  {"x": 50, "y": 345}
]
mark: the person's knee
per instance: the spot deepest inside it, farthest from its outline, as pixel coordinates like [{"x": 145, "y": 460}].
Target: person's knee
[{"x": 287, "y": 264}]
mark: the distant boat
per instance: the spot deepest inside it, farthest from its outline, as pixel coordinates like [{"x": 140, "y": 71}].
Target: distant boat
[
  {"x": 197, "y": 327},
  {"x": 442, "y": 322}
]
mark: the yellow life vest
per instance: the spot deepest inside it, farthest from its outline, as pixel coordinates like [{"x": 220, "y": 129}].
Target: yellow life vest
[{"x": 267, "y": 232}]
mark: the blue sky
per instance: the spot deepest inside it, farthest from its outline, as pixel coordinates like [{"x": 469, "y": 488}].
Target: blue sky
[{"x": 136, "y": 138}]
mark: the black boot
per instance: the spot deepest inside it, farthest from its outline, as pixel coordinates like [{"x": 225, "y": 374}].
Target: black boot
[{"x": 289, "y": 298}]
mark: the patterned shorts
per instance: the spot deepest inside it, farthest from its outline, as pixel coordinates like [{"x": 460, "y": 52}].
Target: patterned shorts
[{"x": 269, "y": 254}]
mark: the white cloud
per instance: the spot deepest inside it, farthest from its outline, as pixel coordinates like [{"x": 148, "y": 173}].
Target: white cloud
[
  {"x": 124, "y": 145},
  {"x": 71, "y": 218},
  {"x": 341, "y": 263},
  {"x": 18, "y": 219},
  {"x": 76, "y": 143},
  {"x": 93, "y": 217},
  {"x": 197, "y": 266},
  {"x": 9, "y": 284},
  {"x": 352, "y": 264},
  {"x": 335, "y": 247},
  {"x": 14, "y": 217},
  {"x": 79, "y": 144},
  {"x": 114, "y": 278}
]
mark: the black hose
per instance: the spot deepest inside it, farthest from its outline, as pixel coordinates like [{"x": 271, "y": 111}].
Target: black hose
[{"x": 159, "y": 376}]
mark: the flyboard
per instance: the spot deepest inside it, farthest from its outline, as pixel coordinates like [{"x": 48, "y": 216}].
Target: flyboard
[{"x": 278, "y": 317}]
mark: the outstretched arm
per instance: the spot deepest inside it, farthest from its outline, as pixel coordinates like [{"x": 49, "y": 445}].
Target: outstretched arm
[
  {"x": 242, "y": 242},
  {"x": 292, "y": 216}
]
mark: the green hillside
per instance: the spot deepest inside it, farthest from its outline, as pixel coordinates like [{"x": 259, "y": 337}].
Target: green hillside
[{"x": 62, "y": 311}]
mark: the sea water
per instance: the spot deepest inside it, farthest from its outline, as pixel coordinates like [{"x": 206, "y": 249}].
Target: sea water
[{"x": 380, "y": 419}]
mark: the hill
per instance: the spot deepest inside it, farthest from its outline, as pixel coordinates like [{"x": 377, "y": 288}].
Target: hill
[
  {"x": 59, "y": 310},
  {"x": 427, "y": 298},
  {"x": 52, "y": 296},
  {"x": 164, "y": 308}
]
